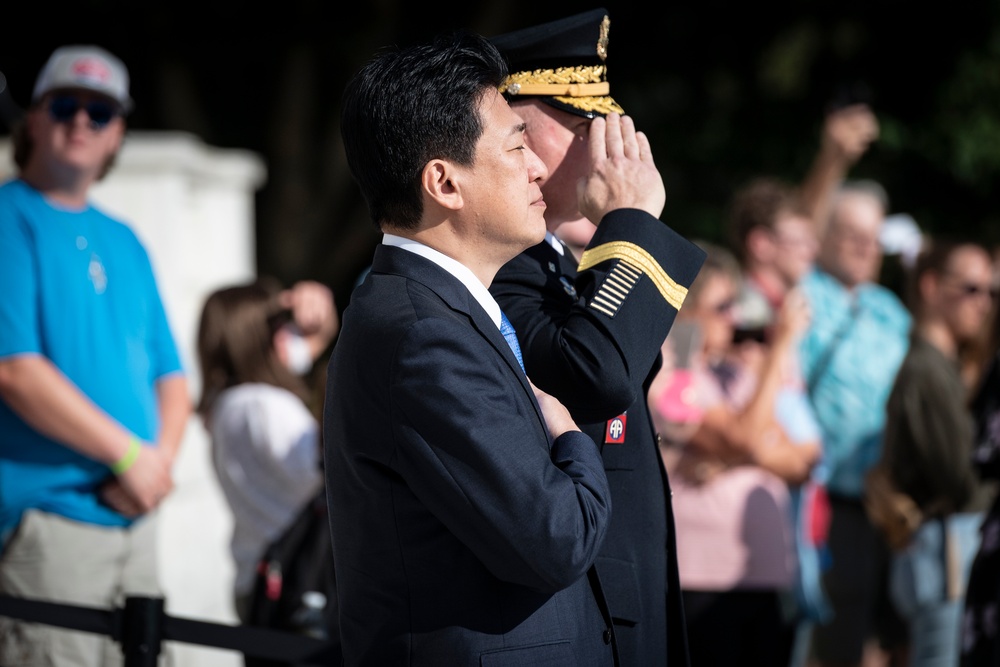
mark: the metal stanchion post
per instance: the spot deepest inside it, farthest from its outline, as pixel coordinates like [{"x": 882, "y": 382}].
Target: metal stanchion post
[{"x": 142, "y": 630}]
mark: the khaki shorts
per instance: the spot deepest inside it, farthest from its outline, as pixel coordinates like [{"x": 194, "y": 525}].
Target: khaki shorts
[{"x": 54, "y": 559}]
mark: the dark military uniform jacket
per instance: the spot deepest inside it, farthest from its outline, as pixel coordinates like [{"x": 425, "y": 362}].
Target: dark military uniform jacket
[{"x": 591, "y": 336}]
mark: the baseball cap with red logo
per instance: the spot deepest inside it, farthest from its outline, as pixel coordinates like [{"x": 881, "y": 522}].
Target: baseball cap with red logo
[{"x": 84, "y": 67}]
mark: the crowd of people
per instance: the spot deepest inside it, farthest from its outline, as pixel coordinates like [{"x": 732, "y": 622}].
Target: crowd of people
[
  {"x": 807, "y": 387},
  {"x": 551, "y": 430}
]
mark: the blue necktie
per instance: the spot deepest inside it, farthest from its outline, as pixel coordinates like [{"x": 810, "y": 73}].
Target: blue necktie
[{"x": 507, "y": 329}]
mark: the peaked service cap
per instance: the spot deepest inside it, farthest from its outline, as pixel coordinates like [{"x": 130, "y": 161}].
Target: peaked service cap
[{"x": 562, "y": 62}]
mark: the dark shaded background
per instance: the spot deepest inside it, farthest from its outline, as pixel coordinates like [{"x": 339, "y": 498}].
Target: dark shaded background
[{"x": 725, "y": 91}]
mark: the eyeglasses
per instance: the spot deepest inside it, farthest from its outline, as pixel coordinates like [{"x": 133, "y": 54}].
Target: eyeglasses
[
  {"x": 859, "y": 239},
  {"x": 63, "y": 109}
]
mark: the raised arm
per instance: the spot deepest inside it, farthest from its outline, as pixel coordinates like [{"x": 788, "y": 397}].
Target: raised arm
[
  {"x": 591, "y": 332},
  {"x": 847, "y": 134},
  {"x": 314, "y": 311},
  {"x": 752, "y": 434}
]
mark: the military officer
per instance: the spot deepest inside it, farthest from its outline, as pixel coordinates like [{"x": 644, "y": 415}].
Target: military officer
[{"x": 591, "y": 332}]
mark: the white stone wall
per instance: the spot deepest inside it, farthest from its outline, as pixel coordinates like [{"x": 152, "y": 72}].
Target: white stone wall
[{"x": 193, "y": 207}]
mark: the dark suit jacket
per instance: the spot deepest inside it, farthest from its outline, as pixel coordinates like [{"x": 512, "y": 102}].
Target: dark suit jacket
[
  {"x": 462, "y": 535},
  {"x": 592, "y": 339}
]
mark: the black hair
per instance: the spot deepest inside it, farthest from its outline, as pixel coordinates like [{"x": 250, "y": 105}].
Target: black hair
[{"x": 410, "y": 105}]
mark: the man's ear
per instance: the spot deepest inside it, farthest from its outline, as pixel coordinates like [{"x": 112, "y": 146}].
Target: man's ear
[{"x": 440, "y": 183}]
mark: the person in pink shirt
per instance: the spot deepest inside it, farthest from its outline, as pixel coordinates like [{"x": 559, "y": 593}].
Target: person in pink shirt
[{"x": 731, "y": 461}]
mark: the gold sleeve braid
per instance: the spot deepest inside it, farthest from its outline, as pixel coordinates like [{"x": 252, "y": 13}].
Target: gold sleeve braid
[{"x": 609, "y": 296}]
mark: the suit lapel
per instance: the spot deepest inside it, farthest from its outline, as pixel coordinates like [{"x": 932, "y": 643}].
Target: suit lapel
[
  {"x": 455, "y": 295},
  {"x": 484, "y": 324}
]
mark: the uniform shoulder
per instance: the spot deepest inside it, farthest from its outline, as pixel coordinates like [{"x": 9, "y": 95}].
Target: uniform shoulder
[{"x": 529, "y": 260}]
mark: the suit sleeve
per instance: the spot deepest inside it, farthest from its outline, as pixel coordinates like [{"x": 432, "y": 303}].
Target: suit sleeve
[
  {"x": 593, "y": 345},
  {"x": 474, "y": 450}
]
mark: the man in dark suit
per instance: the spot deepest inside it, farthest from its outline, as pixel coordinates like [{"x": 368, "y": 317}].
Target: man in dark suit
[
  {"x": 466, "y": 508},
  {"x": 591, "y": 333}
]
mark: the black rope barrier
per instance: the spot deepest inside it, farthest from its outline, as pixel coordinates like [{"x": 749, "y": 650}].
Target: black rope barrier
[{"x": 141, "y": 626}]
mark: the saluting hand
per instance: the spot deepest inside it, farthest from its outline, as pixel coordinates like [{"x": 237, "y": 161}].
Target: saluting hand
[{"x": 622, "y": 172}]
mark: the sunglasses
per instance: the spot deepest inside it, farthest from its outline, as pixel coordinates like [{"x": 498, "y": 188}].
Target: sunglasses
[
  {"x": 972, "y": 290},
  {"x": 63, "y": 109}
]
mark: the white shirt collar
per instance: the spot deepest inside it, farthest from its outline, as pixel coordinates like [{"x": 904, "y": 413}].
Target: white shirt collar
[
  {"x": 555, "y": 243},
  {"x": 455, "y": 268}
]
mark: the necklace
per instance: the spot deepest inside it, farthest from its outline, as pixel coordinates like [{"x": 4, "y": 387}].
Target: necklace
[{"x": 95, "y": 267}]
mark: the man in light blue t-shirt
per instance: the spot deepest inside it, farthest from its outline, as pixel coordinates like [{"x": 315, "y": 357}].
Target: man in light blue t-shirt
[
  {"x": 850, "y": 356},
  {"x": 93, "y": 399}
]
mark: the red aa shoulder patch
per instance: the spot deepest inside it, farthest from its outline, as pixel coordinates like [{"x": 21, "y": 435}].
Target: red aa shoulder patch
[{"x": 614, "y": 432}]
